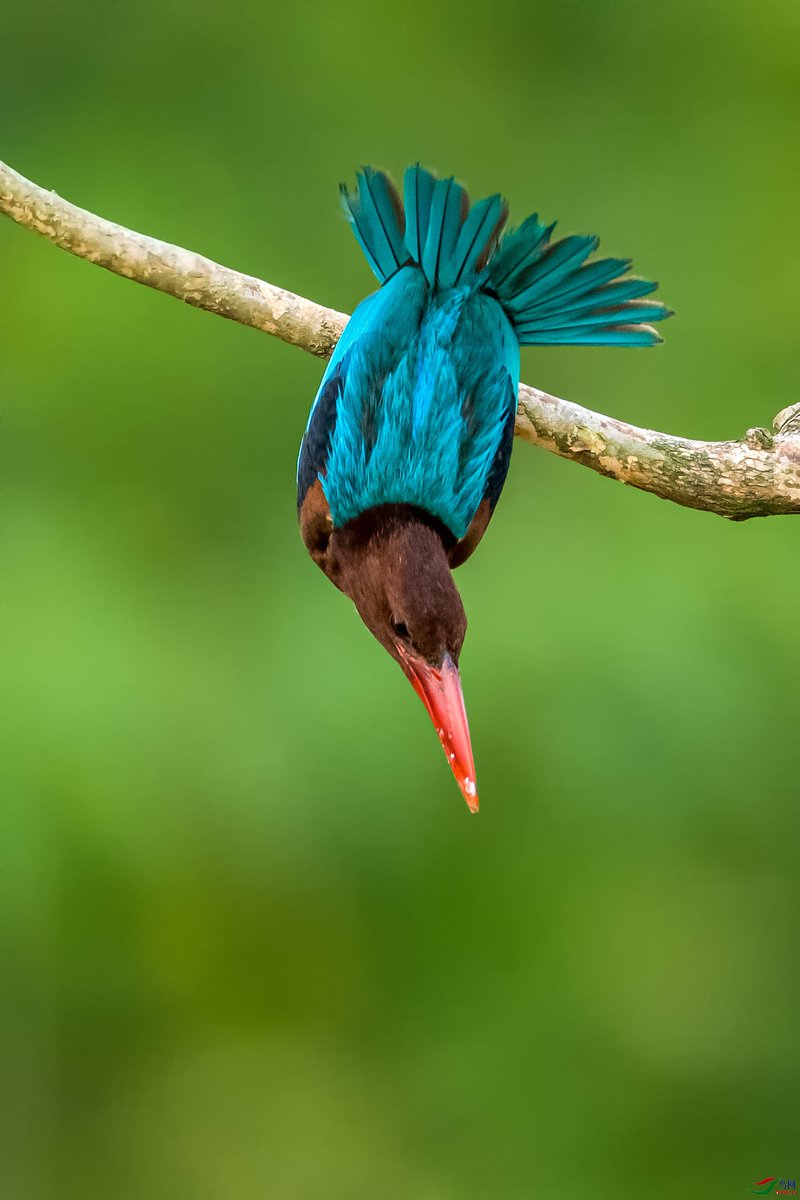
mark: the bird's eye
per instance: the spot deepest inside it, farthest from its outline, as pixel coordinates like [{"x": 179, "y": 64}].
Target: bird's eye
[{"x": 401, "y": 630}]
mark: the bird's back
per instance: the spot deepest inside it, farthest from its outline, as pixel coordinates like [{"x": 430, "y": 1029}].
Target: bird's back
[{"x": 424, "y": 395}]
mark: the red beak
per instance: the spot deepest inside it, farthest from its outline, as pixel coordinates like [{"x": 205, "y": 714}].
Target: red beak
[{"x": 439, "y": 689}]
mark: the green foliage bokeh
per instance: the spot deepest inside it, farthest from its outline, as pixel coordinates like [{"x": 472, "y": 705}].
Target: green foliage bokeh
[{"x": 254, "y": 944}]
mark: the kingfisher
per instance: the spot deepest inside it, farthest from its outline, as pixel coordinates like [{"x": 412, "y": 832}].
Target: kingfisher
[{"x": 409, "y": 438}]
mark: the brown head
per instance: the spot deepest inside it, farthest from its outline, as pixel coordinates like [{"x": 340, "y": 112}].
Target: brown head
[{"x": 392, "y": 561}]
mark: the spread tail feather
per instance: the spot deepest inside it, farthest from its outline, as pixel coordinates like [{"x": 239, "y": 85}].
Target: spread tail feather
[
  {"x": 376, "y": 215},
  {"x": 436, "y": 229},
  {"x": 553, "y": 296},
  {"x": 550, "y": 291}
]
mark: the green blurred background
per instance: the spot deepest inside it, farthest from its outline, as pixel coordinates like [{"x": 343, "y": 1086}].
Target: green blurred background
[{"x": 254, "y": 944}]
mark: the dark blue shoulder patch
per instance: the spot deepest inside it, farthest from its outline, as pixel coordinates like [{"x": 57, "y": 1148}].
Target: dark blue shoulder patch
[
  {"x": 317, "y": 439},
  {"x": 499, "y": 468}
]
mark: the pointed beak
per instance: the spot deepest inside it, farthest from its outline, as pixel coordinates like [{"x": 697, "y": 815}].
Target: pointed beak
[{"x": 439, "y": 689}]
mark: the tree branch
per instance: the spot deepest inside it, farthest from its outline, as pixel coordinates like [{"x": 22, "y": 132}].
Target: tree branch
[{"x": 756, "y": 477}]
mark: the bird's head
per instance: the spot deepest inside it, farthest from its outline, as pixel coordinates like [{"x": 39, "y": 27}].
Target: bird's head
[{"x": 392, "y": 562}]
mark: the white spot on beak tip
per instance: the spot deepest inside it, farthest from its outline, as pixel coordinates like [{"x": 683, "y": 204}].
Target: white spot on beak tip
[{"x": 470, "y": 788}]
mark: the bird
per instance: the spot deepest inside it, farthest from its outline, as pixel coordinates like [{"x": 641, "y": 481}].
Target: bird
[{"x": 409, "y": 437}]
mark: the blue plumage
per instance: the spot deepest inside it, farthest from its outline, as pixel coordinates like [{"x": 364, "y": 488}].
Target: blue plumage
[
  {"x": 417, "y": 403},
  {"x": 429, "y": 379}
]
